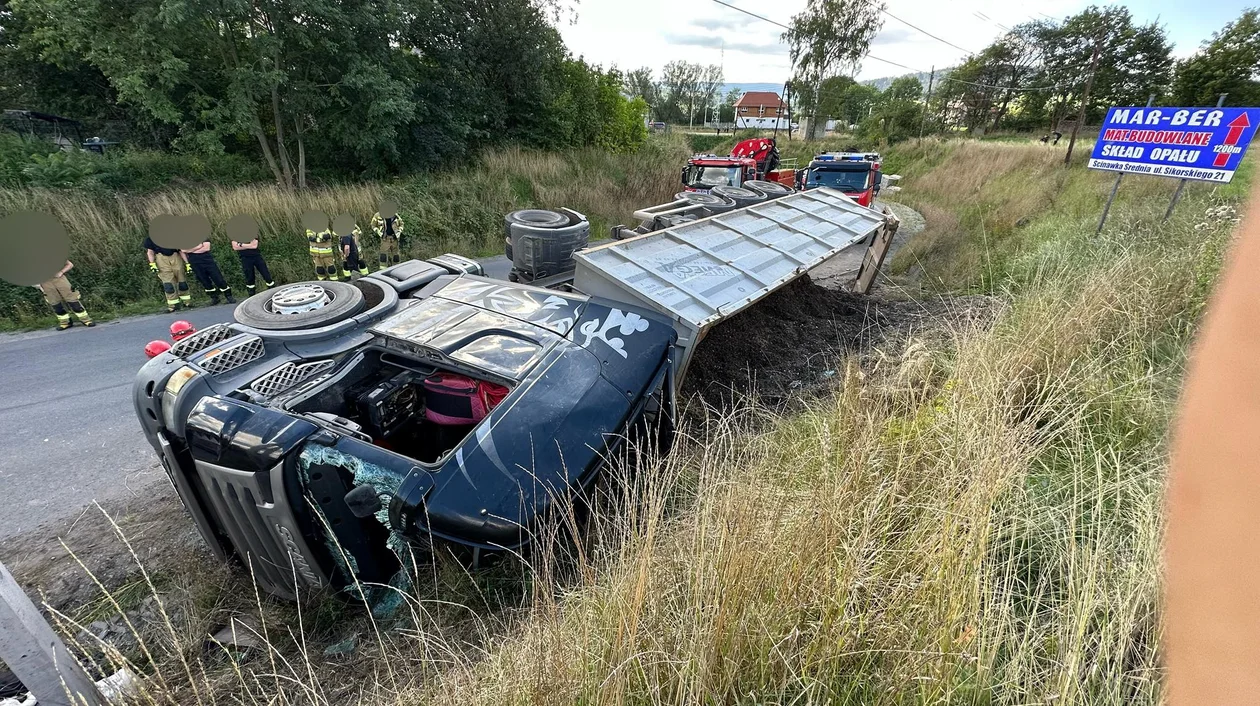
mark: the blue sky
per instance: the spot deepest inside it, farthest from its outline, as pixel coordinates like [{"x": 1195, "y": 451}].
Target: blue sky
[{"x": 652, "y": 32}]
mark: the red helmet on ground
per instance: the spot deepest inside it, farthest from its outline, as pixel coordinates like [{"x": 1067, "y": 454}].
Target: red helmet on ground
[
  {"x": 182, "y": 329},
  {"x": 156, "y": 348}
]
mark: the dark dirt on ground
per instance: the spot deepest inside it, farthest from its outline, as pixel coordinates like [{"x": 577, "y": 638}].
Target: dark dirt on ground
[{"x": 792, "y": 343}]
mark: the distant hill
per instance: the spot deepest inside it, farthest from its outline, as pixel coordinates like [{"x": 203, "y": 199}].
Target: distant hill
[
  {"x": 883, "y": 83},
  {"x": 744, "y": 87},
  {"x": 880, "y": 83}
]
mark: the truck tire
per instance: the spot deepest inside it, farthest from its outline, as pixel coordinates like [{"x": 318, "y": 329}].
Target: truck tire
[
  {"x": 713, "y": 203},
  {"x": 536, "y": 218},
  {"x": 329, "y": 303},
  {"x": 545, "y": 240},
  {"x": 769, "y": 189},
  {"x": 741, "y": 196}
]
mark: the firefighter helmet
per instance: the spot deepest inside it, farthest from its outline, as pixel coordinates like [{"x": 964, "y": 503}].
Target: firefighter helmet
[
  {"x": 182, "y": 329},
  {"x": 156, "y": 348}
]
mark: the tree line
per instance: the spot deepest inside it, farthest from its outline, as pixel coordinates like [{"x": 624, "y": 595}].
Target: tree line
[
  {"x": 1030, "y": 78},
  {"x": 344, "y": 87},
  {"x": 1033, "y": 78}
]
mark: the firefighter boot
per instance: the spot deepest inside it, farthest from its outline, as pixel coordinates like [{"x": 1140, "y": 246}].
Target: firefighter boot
[
  {"x": 63, "y": 317},
  {"x": 227, "y": 296},
  {"x": 81, "y": 314}
]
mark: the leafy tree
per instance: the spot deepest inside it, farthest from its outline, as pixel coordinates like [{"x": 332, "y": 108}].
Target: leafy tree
[
  {"x": 828, "y": 38},
  {"x": 1228, "y": 63},
  {"x": 897, "y": 112},
  {"x": 640, "y": 84},
  {"x": 726, "y": 111},
  {"x": 983, "y": 90},
  {"x": 1134, "y": 61},
  {"x": 679, "y": 82},
  {"x": 281, "y": 72},
  {"x": 707, "y": 89}
]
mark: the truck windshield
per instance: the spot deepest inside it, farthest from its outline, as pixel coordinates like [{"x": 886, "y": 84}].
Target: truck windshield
[
  {"x": 842, "y": 180},
  {"x": 709, "y": 177}
]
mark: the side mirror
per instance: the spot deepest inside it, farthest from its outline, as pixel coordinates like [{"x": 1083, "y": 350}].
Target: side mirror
[
  {"x": 683, "y": 176},
  {"x": 879, "y": 180}
]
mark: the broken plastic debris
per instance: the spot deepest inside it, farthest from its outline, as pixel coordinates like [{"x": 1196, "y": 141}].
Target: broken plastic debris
[{"x": 344, "y": 648}]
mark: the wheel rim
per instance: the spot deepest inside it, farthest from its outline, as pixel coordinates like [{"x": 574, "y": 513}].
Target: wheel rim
[{"x": 299, "y": 299}]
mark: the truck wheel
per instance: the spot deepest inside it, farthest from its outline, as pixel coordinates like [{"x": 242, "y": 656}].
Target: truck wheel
[
  {"x": 769, "y": 189},
  {"x": 713, "y": 203},
  {"x": 507, "y": 247},
  {"x": 741, "y": 196},
  {"x": 536, "y": 218},
  {"x": 302, "y": 305}
]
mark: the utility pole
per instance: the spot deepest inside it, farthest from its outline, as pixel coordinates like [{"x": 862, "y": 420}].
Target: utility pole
[
  {"x": 787, "y": 93},
  {"x": 927, "y": 102},
  {"x": 1089, "y": 83}
]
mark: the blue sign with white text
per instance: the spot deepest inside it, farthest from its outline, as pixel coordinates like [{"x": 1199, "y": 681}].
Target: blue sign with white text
[{"x": 1185, "y": 143}]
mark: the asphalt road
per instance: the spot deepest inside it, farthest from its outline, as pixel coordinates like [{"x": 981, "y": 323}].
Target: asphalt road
[{"x": 69, "y": 431}]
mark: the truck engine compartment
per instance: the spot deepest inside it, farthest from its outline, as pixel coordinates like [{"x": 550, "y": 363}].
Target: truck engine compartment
[{"x": 411, "y": 408}]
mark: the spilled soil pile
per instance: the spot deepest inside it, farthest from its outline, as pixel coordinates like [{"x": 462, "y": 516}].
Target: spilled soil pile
[{"x": 793, "y": 341}]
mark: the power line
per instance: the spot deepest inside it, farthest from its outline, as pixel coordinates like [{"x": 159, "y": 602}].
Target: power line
[
  {"x": 893, "y": 63},
  {"x": 753, "y": 14},
  {"x": 924, "y": 31}
]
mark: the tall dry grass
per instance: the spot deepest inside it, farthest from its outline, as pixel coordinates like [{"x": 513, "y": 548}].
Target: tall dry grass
[{"x": 457, "y": 210}]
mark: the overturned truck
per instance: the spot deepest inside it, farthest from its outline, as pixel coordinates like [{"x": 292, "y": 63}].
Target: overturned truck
[{"x": 334, "y": 427}]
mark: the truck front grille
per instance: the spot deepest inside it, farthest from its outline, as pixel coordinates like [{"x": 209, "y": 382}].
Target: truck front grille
[
  {"x": 253, "y": 511},
  {"x": 202, "y": 340},
  {"x": 288, "y": 375},
  {"x": 232, "y": 354}
]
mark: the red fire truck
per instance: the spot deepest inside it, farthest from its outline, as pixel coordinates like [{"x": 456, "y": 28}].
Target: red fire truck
[{"x": 757, "y": 158}]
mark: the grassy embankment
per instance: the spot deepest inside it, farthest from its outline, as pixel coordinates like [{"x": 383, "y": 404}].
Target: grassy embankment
[
  {"x": 976, "y": 521},
  {"x": 457, "y": 210},
  {"x": 972, "y": 518}
]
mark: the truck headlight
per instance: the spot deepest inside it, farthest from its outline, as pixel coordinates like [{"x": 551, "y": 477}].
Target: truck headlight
[{"x": 174, "y": 384}]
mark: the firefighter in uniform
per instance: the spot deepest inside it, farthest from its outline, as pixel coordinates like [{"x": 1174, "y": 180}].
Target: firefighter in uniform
[
  {"x": 243, "y": 230},
  {"x": 169, "y": 265},
  {"x": 207, "y": 271},
  {"x": 63, "y": 299},
  {"x": 388, "y": 226},
  {"x": 351, "y": 254},
  {"x": 321, "y": 246}
]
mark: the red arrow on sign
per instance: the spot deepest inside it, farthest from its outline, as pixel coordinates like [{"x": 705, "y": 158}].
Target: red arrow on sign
[{"x": 1236, "y": 128}]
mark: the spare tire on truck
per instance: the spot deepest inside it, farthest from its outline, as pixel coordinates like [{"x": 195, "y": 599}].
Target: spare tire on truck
[
  {"x": 542, "y": 243},
  {"x": 769, "y": 189},
  {"x": 713, "y": 203},
  {"x": 741, "y": 196},
  {"x": 302, "y": 305}
]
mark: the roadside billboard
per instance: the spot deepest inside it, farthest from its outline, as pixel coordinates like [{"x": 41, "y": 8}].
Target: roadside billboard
[{"x": 1204, "y": 144}]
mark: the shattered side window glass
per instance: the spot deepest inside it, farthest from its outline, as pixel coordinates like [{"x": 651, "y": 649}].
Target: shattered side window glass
[{"x": 505, "y": 355}]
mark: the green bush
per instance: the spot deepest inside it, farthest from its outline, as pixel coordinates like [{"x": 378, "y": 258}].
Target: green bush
[
  {"x": 15, "y": 155},
  {"x": 26, "y": 162},
  {"x": 705, "y": 144},
  {"x": 59, "y": 169},
  {"x": 146, "y": 170}
]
